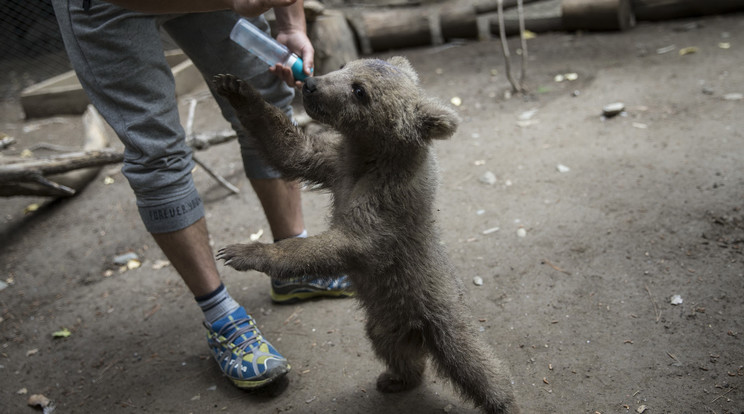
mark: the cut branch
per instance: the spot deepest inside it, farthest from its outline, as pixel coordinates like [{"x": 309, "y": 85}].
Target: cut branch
[{"x": 30, "y": 170}]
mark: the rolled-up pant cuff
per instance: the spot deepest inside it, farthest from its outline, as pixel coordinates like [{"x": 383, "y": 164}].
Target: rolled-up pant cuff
[{"x": 174, "y": 215}]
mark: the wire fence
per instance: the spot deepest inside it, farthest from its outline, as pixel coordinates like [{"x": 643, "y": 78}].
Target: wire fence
[{"x": 32, "y": 48}]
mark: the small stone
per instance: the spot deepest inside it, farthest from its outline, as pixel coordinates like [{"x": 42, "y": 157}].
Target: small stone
[
  {"x": 478, "y": 281},
  {"x": 733, "y": 97},
  {"x": 526, "y": 115},
  {"x": 488, "y": 178},
  {"x": 707, "y": 90},
  {"x": 613, "y": 109},
  {"x": 676, "y": 300},
  {"x": 39, "y": 400},
  {"x": 562, "y": 168},
  {"x": 641, "y": 409},
  {"x": 522, "y": 232}
]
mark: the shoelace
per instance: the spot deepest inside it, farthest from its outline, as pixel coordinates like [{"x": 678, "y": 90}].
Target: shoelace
[{"x": 241, "y": 347}]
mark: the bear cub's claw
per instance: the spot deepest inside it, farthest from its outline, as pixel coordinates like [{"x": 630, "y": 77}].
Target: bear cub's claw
[{"x": 237, "y": 91}]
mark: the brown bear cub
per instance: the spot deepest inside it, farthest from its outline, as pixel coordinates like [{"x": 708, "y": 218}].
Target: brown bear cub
[{"x": 380, "y": 168}]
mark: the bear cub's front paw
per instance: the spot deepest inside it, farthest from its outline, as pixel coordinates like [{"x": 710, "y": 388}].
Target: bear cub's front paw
[
  {"x": 238, "y": 92},
  {"x": 239, "y": 256}
]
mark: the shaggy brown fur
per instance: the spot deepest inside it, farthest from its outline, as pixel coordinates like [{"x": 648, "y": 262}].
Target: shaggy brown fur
[{"x": 382, "y": 174}]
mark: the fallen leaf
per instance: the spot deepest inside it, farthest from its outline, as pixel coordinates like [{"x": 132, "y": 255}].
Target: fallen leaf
[
  {"x": 159, "y": 264},
  {"x": 63, "y": 333},
  {"x": 31, "y": 208},
  {"x": 133, "y": 264},
  {"x": 257, "y": 235}
]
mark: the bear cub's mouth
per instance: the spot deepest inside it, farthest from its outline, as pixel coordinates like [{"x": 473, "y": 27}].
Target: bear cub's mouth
[
  {"x": 312, "y": 108},
  {"x": 309, "y": 95}
]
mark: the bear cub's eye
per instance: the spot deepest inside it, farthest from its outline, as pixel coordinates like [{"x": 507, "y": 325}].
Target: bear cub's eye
[{"x": 359, "y": 91}]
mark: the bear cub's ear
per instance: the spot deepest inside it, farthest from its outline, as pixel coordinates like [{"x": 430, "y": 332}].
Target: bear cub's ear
[
  {"x": 405, "y": 66},
  {"x": 437, "y": 121}
]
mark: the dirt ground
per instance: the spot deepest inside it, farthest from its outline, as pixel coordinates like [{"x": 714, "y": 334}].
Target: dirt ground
[{"x": 578, "y": 302}]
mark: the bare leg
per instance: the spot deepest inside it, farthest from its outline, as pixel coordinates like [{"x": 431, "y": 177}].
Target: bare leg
[
  {"x": 189, "y": 251},
  {"x": 282, "y": 205}
]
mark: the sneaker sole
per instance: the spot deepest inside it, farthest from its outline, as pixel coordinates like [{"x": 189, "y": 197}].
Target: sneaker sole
[
  {"x": 253, "y": 384},
  {"x": 286, "y": 298}
]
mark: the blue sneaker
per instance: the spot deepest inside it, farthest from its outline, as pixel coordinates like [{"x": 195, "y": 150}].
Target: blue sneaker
[
  {"x": 306, "y": 288},
  {"x": 242, "y": 353}
]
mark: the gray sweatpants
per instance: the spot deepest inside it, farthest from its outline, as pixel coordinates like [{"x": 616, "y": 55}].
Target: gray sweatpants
[{"x": 118, "y": 57}]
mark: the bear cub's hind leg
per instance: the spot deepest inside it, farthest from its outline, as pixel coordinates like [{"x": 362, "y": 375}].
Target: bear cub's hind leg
[{"x": 404, "y": 356}]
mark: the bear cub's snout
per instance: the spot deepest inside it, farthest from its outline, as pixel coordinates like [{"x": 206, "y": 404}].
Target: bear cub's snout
[{"x": 309, "y": 86}]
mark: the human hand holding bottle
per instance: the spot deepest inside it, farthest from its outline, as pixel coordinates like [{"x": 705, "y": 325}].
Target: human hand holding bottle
[
  {"x": 292, "y": 32},
  {"x": 298, "y": 43}
]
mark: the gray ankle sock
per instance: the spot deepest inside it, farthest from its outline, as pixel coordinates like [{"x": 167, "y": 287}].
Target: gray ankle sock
[{"x": 217, "y": 304}]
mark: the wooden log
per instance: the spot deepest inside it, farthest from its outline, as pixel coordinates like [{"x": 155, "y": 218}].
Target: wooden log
[
  {"x": 597, "y": 15},
  {"x": 30, "y": 170},
  {"x": 386, "y": 29},
  {"x": 333, "y": 41},
  {"x": 539, "y": 17},
  {"x": 675, "y": 9},
  {"x": 390, "y": 29},
  {"x": 52, "y": 183}
]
